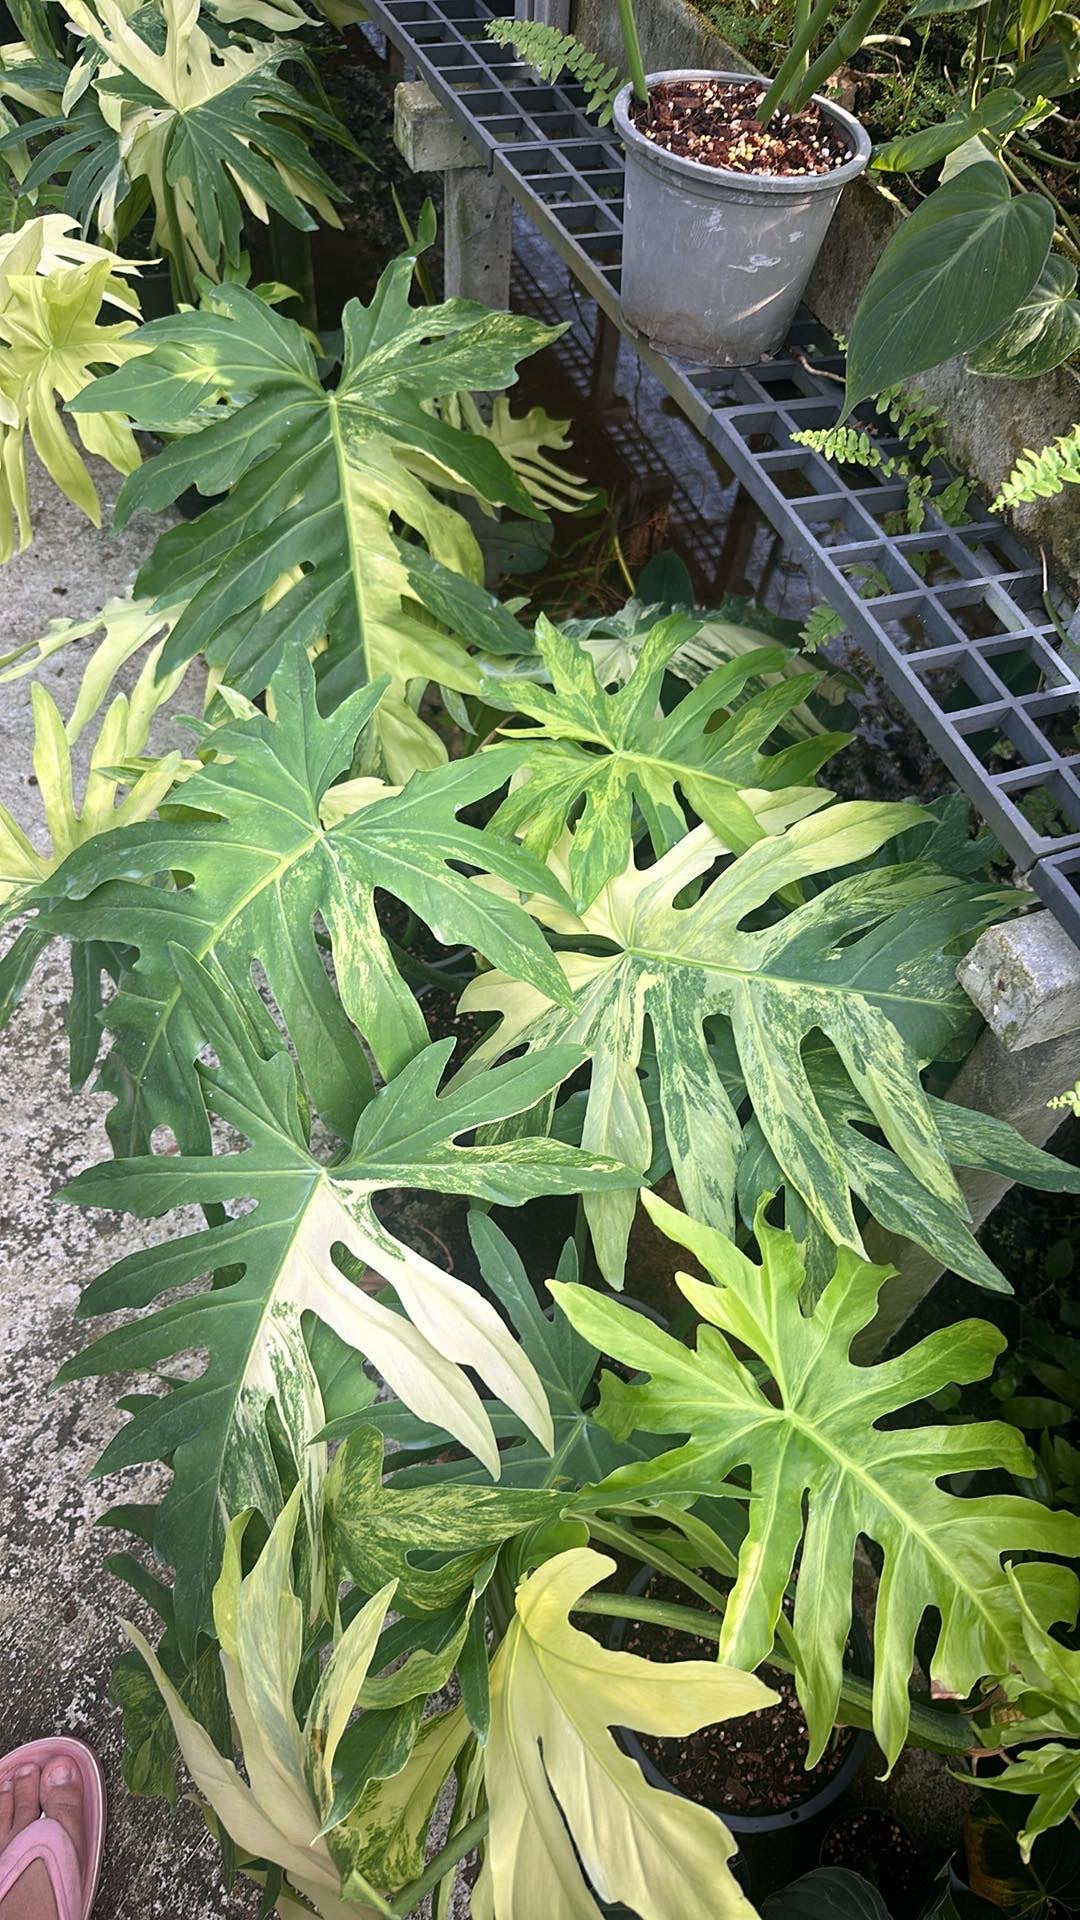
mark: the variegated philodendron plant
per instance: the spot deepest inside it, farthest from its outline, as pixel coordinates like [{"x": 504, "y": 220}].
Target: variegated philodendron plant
[{"x": 682, "y": 959}]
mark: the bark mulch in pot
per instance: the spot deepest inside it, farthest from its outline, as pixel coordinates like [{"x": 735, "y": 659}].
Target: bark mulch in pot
[
  {"x": 754, "y": 1765},
  {"x": 715, "y": 122}
]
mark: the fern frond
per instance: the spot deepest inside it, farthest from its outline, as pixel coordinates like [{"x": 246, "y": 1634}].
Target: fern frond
[
  {"x": 555, "y": 55},
  {"x": 1067, "y": 1102},
  {"x": 851, "y": 446},
  {"x": 1038, "y": 476},
  {"x": 822, "y": 623}
]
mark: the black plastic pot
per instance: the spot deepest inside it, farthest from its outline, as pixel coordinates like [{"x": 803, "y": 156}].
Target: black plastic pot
[
  {"x": 763, "y": 1823},
  {"x": 876, "y": 1843}
]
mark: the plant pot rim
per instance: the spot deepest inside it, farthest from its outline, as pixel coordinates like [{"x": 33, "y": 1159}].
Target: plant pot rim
[
  {"x": 796, "y": 1816},
  {"x": 770, "y": 186}
]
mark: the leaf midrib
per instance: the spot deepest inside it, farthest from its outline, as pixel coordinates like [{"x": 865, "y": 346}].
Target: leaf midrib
[
  {"x": 908, "y": 1524},
  {"x": 791, "y": 983}
]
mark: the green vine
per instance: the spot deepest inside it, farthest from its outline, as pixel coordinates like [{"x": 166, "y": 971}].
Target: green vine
[
  {"x": 1038, "y": 476},
  {"x": 555, "y": 55}
]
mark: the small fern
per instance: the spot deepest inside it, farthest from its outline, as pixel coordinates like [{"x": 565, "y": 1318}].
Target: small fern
[
  {"x": 555, "y": 55},
  {"x": 921, "y": 428},
  {"x": 1067, "y": 1102},
  {"x": 1038, "y": 476},
  {"x": 851, "y": 447},
  {"x": 822, "y": 623}
]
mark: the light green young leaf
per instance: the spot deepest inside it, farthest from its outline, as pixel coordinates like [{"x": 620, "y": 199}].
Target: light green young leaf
[
  {"x": 303, "y": 546},
  {"x": 868, "y": 961},
  {"x": 813, "y": 1441},
  {"x": 609, "y": 754},
  {"x": 312, "y": 1228},
  {"x": 128, "y": 626},
  {"x": 52, "y": 343},
  {"x": 262, "y": 866},
  {"x": 522, "y": 440},
  {"x": 569, "y": 1810},
  {"x": 259, "y": 1624}
]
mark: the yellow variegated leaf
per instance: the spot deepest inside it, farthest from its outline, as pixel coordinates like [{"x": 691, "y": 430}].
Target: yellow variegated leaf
[
  {"x": 385, "y": 1838},
  {"x": 127, "y": 626},
  {"x": 300, "y": 1255},
  {"x": 272, "y": 1815},
  {"x": 572, "y": 1815},
  {"x": 51, "y": 346},
  {"x": 825, "y": 1471},
  {"x": 865, "y": 967},
  {"x": 121, "y": 741}
]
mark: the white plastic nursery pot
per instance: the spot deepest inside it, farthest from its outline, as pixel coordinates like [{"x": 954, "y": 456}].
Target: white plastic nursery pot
[{"x": 715, "y": 262}]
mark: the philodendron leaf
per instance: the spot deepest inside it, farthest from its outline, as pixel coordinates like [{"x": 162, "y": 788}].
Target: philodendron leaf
[
  {"x": 812, "y": 1443},
  {"x": 868, "y": 961},
  {"x": 892, "y": 1194},
  {"x": 1042, "y": 333},
  {"x": 614, "y": 753},
  {"x": 997, "y": 112},
  {"x": 260, "y": 866},
  {"x": 374, "y": 1528},
  {"x": 1044, "y": 1702},
  {"x": 52, "y": 343},
  {"x": 277, "y": 1263},
  {"x": 951, "y": 276},
  {"x": 303, "y": 546},
  {"x": 273, "y": 1814},
  {"x": 583, "y": 1451},
  {"x": 213, "y": 129},
  {"x": 572, "y": 1815},
  {"x": 829, "y": 1893},
  {"x": 1055, "y": 68}
]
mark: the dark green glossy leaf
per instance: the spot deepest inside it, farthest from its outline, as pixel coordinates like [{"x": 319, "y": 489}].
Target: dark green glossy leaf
[
  {"x": 829, "y": 1893},
  {"x": 1043, "y": 332},
  {"x": 951, "y": 276},
  {"x": 262, "y": 868},
  {"x": 1055, "y": 68}
]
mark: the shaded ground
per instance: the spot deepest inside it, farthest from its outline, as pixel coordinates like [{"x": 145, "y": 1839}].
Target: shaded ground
[{"x": 59, "y": 1609}]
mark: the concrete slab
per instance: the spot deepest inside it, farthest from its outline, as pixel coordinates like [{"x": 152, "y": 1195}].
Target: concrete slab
[{"x": 59, "y": 1609}]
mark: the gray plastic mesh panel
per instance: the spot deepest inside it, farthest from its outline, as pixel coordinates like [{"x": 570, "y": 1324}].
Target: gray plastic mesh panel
[{"x": 954, "y": 616}]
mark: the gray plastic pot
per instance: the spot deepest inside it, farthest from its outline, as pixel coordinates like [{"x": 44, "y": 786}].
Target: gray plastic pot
[{"x": 715, "y": 262}]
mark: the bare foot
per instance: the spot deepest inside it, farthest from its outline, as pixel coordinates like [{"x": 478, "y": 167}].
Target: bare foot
[{"x": 24, "y": 1795}]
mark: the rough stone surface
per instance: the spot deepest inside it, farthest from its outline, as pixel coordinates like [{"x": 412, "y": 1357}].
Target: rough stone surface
[
  {"x": 477, "y": 242},
  {"x": 1025, "y": 980},
  {"x": 59, "y": 1608},
  {"x": 989, "y": 422},
  {"x": 424, "y": 133}
]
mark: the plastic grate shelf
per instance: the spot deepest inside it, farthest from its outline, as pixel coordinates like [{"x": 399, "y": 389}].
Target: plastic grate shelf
[{"x": 954, "y": 616}]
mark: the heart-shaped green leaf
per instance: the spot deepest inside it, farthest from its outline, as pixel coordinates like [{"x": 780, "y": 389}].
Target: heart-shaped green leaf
[
  {"x": 1044, "y": 330},
  {"x": 953, "y": 275}
]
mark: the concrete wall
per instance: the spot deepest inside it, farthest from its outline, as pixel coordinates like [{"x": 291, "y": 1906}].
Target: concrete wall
[{"x": 989, "y": 422}]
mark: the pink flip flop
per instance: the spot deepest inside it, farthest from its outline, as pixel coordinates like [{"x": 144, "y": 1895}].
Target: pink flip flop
[{"x": 73, "y": 1888}]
